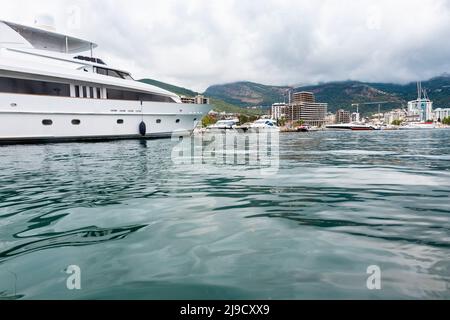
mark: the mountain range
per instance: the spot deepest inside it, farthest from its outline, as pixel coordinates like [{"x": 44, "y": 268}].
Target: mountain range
[
  {"x": 240, "y": 96},
  {"x": 337, "y": 94}
]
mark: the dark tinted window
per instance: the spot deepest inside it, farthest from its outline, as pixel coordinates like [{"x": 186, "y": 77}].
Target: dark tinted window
[
  {"x": 126, "y": 76},
  {"x": 99, "y": 93},
  {"x": 12, "y": 85},
  {"x": 84, "y": 92},
  {"x": 178, "y": 121},
  {"x": 102, "y": 71},
  {"x": 47, "y": 122},
  {"x": 114, "y": 94},
  {"x": 77, "y": 91},
  {"x": 115, "y": 74},
  {"x": 76, "y": 122},
  {"x": 91, "y": 92},
  {"x": 84, "y": 58},
  {"x": 120, "y": 121},
  {"x": 158, "y": 121}
]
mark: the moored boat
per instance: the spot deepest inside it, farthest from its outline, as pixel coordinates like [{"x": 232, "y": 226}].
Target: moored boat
[
  {"x": 418, "y": 126},
  {"x": 264, "y": 124},
  {"x": 52, "y": 88},
  {"x": 351, "y": 126}
]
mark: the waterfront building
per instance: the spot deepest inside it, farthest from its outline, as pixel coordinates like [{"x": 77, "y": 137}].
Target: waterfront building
[
  {"x": 199, "y": 99},
  {"x": 394, "y": 115},
  {"x": 355, "y": 117},
  {"x": 377, "y": 118},
  {"x": 330, "y": 118},
  {"x": 306, "y": 109},
  {"x": 304, "y": 96},
  {"x": 279, "y": 110},
  {"x": 313, "y": 114},
  {"x": 420, "y": 109},
  {"x": 343, "y": 116},
  {"x": 439, "y": 114},
  {"x": 187, "y": 99}
]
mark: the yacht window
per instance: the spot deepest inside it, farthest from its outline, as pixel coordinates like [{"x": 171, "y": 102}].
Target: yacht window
[
  {"x": 195, "y": 119},
  {"x": 126, "y": 76},
  {"x": 76, "y": 122},
  {"x": 21, "y": 86},
  {"x": 47, "y": 122},
  {"x": 120, "y": 121},
  {"x": 91, "y": 59},
  {"x": 178, "y": 121},
  {"x": 114, "y": 94},
  {"x": 91, "y": 91},
  {"x": 84, "y": 92},
  {"x": 115, "y": 74},
  {"x": 77, "y": 91},
  {"x": 99, "y": 93},
  {"x": 158, "y": 121},
  {"x": 102, "y": 71}
]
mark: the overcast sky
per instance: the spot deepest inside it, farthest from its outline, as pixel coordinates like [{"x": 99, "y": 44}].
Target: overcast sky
[{"x": 196, "y": 43}]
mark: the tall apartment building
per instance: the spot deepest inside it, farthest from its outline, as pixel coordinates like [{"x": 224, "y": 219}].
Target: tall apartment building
[
  {"x": 305, "y": 108},
  {"x": 304, "y": 96},
  {"x": 343, "y": 116}
]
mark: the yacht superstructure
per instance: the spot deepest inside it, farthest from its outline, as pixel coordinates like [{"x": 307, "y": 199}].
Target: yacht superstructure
[{"x": 53, "y": 88}]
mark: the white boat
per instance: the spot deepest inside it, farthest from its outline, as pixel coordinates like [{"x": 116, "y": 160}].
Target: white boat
[
  {"x": 307, "y": 128},
  {"x": 264, "y": 124},
  {"x": 50, "y": 90},
  {"x": 229, "y": 124},
  {"x": 352, "y": 126},
  {"x": 418, "y": 126}
]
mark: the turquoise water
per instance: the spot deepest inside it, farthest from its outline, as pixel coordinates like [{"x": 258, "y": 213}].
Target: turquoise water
[{"x": 140, "y": 226}]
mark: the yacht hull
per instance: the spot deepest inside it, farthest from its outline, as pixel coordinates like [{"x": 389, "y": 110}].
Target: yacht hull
[{"x": 33, "y": 119}]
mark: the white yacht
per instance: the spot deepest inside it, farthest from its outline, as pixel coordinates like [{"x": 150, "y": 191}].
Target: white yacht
[
  {"x": 224, "y": 125},
  {"x": 264, "y": 124},
  {"x": 53, "y": 88},
  {"x": 418, "y": 126}
]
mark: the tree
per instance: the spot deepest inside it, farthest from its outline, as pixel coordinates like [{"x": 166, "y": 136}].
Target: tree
[
  {"x": 282, "y": 122},
  {"x": 208, "y": 120},
  {"x": 396, "y": 122},
  {"x": 253, "y": 118},
  {"x": 446, "y": 121},
  {"x": 299, "y": 123},
  {"x": 243, "y": 119}
]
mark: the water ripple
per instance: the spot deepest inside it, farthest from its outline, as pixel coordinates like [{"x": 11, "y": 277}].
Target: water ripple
[{"x": 140, "y": 226}]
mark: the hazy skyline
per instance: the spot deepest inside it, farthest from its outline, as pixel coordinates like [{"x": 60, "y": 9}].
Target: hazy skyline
[{"x": 199, "y": 43}]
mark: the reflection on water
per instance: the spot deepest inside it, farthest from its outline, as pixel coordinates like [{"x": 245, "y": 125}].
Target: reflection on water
[
  {"x": 74, "y": 238},
  {"x": 140, "y": 225}
]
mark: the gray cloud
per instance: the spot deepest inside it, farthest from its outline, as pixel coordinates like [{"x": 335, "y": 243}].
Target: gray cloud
[{"x": 198, "y": 43}]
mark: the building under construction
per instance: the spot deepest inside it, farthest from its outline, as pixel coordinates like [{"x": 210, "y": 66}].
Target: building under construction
[{"x": 305, "y": 108}]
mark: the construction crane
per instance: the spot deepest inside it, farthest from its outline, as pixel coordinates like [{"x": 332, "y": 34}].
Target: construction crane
[{"x": 379, "y": 103}]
